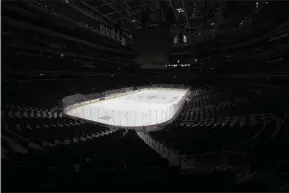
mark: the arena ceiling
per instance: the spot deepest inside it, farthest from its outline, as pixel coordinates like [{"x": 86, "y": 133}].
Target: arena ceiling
[
  {"x": 192, "y": 17},
  {"x": 196, "y": 18},
  {"x": 223, "y": 22},
  {"x": 219, "y": 32}
]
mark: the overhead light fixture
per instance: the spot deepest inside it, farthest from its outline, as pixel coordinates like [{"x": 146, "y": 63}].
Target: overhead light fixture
[
  {"x": 180, "y": 10},
  {"x": 185, "y": 39}
]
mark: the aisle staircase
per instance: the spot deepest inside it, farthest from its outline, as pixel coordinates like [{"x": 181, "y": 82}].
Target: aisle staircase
[{"x": 171, "y": 155}]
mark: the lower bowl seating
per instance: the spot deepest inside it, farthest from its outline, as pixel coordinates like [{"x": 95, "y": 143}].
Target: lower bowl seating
[{"x": 215, "y": 132}]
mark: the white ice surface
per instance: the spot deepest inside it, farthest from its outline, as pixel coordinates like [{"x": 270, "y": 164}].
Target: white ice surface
[{"x": 143, "y": 108}]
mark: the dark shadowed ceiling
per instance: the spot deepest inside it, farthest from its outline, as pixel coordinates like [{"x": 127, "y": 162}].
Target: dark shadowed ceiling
[{"x": 221, "y": 35}]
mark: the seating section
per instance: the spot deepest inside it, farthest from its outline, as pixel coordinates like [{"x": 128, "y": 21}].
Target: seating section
[
  {"x": 218, "y": 130},
  {"x": 240, "y": 132},
  {"x": 40, "y": 129}
]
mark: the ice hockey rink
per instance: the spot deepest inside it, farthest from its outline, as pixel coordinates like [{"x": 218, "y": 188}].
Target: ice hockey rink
[{"x": 141, "y": 108}]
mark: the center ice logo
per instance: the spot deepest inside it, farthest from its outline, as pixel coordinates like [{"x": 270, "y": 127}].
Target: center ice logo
[{"x": 152, "y": 97}]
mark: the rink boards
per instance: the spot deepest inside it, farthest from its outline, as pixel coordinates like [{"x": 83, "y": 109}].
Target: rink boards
[{"x": 135, "y": 109}]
